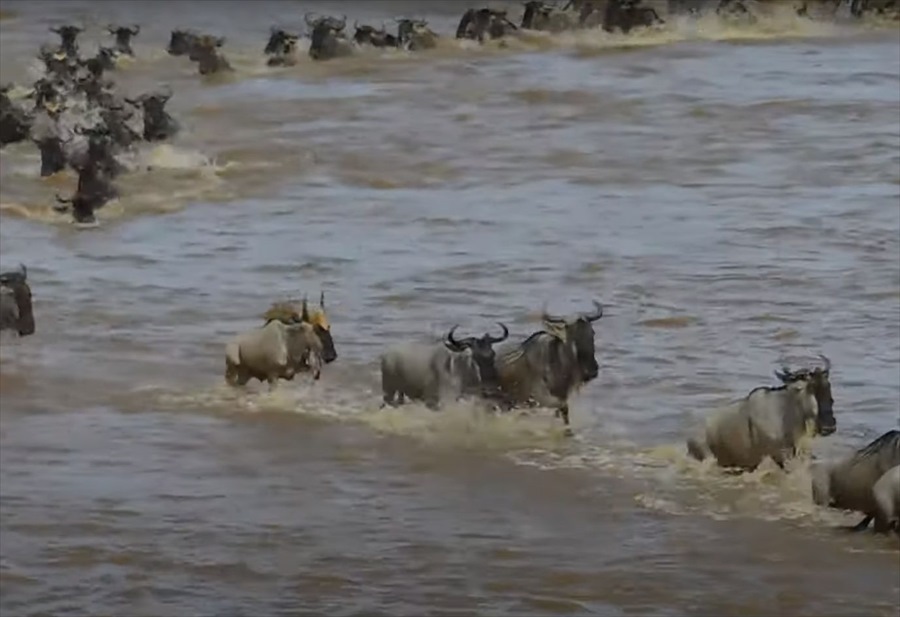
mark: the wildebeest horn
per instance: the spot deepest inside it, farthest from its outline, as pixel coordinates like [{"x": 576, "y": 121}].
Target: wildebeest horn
[
  {"x": 322, "y": 299},
  {"x": 135, "y": 29},
  {"x": 494, "y": 339},
  {"x": 597, "y": 314},
  {"x": 62, "y": 200},
  {"x": 452, "y": 341},
  {"x": 304, "y": 314},
  {"x": 827, "y": 363}
]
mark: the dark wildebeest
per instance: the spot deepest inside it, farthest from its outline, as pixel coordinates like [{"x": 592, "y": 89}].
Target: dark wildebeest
[
  {"x": 158, "y": 124},
  {"x": 54, "y": 157},
  {"x": 100, "y": 151},
  {"x": 15, "y": 302},
  {"x": 626, "y": 15},
  {"x": 281, "y": 48},
  {"x": 545, "y": 17},
  {"x": 295, "y": 312},
  {"x": 68, "y": 36},
  {"x": 478, "y": 23},
  {"x": 368, "y": 35},
  {"x": 735, "y": 11},
  {"x": 879, "y": 7},
  {"x": 116, "y": 118},
  {"x": 275, "y": 351},
  {"x": 415, "y": 35},
  {"x": 181, "y": 42},
  {"x": 768, "y": 422},
  {"x": 206, "y": 53},
  {"x": 123, "y": 36},
  {"x": 551, "y": 364},
  {"x": 93, "y": 192},
  {"x": 430, "y": 373},
  {"x": 850, "y": 483},
  {"x": 588, "y": 12},
  {"x": 15, "y": 122},
  {"x": 105, "y": 60},
  {"x": 327, "y": 38}
]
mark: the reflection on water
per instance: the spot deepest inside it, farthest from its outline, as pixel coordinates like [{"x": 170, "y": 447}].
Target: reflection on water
[{"x": 729, "y": 193}]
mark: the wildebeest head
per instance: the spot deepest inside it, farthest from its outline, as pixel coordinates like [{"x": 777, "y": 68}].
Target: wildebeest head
[
  {"x": 280, "y": 42},
  {"x": 579, "y": 333},
  {"x": 415, "y": 34},
  {"x": 158, "y": 124},
  {"x": 22, "y": 317},
  {"x": 289, "y": 312},
  {"x": 68, "y": 35},
  {"x": 181, "y": 42},
  {"x": 325, "y": 36},
  {"x": 482, "y": 350},
  {"x": 205, "y": 52},
  {"x": 123, "y": 36},
  {"x": 53, "y": 153},
  {"x": 536, "y": 12},
  {"x": 816, "y": 383},
  {"x": 369, "y": 35}
]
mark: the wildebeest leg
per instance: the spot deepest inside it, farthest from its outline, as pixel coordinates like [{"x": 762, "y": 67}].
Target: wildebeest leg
[
  {"x": 563, "y": 411},
  {"x": 863, "y": 524},
  {"x": 881, "y": 524}
]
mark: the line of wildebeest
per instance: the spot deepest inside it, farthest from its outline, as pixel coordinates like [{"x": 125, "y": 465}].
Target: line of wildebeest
[{"x": 542, "y": 370}]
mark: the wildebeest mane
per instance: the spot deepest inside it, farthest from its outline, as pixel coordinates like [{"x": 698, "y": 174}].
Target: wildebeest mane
[{"x": 890, "y": 440}]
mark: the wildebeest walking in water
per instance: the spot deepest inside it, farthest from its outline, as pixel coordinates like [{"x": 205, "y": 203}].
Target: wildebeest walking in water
[
  {"x": 415, "y": 35},
  {"x": 850, "y": 483},
  {"x": 206, "y": 52},
  {"x": 626, "y": 15},
  {"x": 369, "y": 35},
  {"x": 68, "y": 35},
  {"x": 281, "y": 48},
  {"x": 181, "y": 42},
  {"x": 327, "y": 38},
  {"x": 768, "y": 422},
  {"x": 477, "y": 24},
  {"x": 434, "y": 372},
  {"x": 158, "y": 124},
  {"x": 123, "y": 36},
  {"x": 551, "y": 364},
  {"x": 296, "y": 312},
  {"x": 16, "y": 312}
]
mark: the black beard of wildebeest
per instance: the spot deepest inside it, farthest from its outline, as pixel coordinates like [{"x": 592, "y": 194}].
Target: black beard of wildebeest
[
  {"x": 414, "y": 34},
  {"x": 158, "y": 124},
  {"x": 626, "y": 15},
  {"x": 19, "y": 317},
  {"x": 68, "y": 39},
  {"x": 181, "y": 42},
  {"x": 483, "y": 354},
  {"x": 476, "y": 23},
  {"x": 53, "y": 153},
  {"x": 281, "y": 48},
  {"x": 93, "y": 192},
  {"x": 15, "y": 122},
  {"x": 327, "y": 38},
  {"x": 205, "y": 52},
  {"x": 368, "y": 35},
  {"x": 123, "y": 36}
]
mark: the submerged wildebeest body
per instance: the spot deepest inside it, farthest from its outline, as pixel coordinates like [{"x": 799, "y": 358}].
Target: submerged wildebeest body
[
  {"x": 887, "y": 498},
  {"x": 415, "y": 35},
  {"x": 294, "y": 312},
  {"x": 205, "y": 51},
  {"x": 158, "y": 124},
  {"x": 545, "y": 17},
  {"x": 123, "y": 36},
  {"x": 15, "y": 122},
  {"x": 181, "y": 42},
  {"x": 281, "y": 48},
  {"x": 850, "y": 483},
  {"x": 16, "y": 312},
  {"x": 626, "y": 15},
  {"x": 768, "y": 422},
  {"x": 327, "y": 38},
  {"x": 477, "y": 24},
  {"x": 93, "y": 192},
  {"x": 551, "y": 364},
  {"x": 272, "y": 352},
  {"x": 434, "y": 372},
  {"x": 369, "y": 35}
]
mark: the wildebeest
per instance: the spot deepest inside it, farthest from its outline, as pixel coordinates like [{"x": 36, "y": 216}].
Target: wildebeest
[
  {"x": 123, "y": 36},
  {"x": 735, "y": 11},
  {"x": 116, "y": 117},
  {"x": 327, "y": 38},
  {"x": 99, "y": 152},
  {"x": 294, "y": 312},
  {"x": 551, "y": 364},
  {"x": 16, "y": 312},
  {"x": 15, "y": 122},
  {"x": 545, "y": 17},
  {"x": 158, "y": 124},
  {"x": 181, "y": 42},
  {"x": 272, "y": 352},
  {"x": 431, "y": 373},
  {"x": 769, "y": 421},
  {"x": 887, "y": 497},
  {"x": 879, "y": 7},
  {"x": 369, "y": 35},
  {"x": 849, "y": 484},
  {"x": 476, "y": 24},
  {"x": 94, "y": 190},
  {"x": 104, "y": 60},
  {"x": 281, "y": 48},
  {"x": 626, "y": 15},
  {"x": 415, "y": 35},
  {"x": 52, "y": 147},
  {"x": 205, "y": 51},
  {"x": 68, "y": 39}
]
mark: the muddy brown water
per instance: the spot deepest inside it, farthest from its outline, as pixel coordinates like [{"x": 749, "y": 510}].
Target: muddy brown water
[{"x": 732, "y": 196}]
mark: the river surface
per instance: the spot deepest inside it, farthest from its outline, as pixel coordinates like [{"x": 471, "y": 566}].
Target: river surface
[{"x": 730, "y": 194}]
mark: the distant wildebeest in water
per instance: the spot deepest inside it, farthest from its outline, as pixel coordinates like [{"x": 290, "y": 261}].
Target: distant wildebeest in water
[
  {"x": 94, "y": 190},
  {"x": 476, "y": 24},
  {"x": 768, "y": 422},
  {"x": 369, "y": 35},
  {"x": 158, "y": 123},
  {"x": 295, "y": 312},
  {"x": 205, "y": 51},
  {"x": 181, "y": 42},
  {"x": 415, "y": 35},
  {"x": 327, "y": 38},
  {"x": 546, "y": 17},
  {"x": 68, "y": 35},
  {"x": 551, "y": 364},
  {"x": 123, "y": 36},
  {"x": 15, "y": 122},
  {"x": 433, "y": 372},
  {"x": 281, "y": 48},
  {"x": 16, "y": 312},
  {"x": 850, "y": 483},
  {"x": 626, "y": 15}
]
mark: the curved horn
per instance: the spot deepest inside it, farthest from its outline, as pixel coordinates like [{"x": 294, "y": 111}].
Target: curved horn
[
  {"x": 452, "y": 342},
  {"x": 827, "y": 363},
  {"x": 135, "y": 29},
  {"x": 597, "y": 314},
  {"x": 62, "y": 200},
  {"x": 494, "y": 339},
  {"x": 304, "y": 313},
  {"x": 784, "y": 374},
  {"x": 24, "y": 271},
  {"x": 322, "y": 299}
]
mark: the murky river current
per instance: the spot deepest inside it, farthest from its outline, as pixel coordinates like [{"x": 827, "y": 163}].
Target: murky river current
[{"x": 730, "y": 194}]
